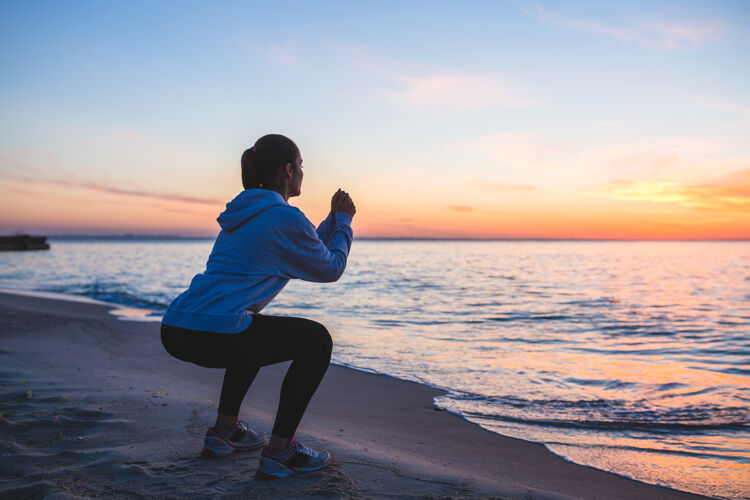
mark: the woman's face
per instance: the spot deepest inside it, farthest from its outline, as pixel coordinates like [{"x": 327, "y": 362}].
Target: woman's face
[{"x": 295, "y": 184}]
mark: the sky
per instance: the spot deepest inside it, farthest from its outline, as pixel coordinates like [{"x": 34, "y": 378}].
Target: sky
[{"x": 498, "y": 119}]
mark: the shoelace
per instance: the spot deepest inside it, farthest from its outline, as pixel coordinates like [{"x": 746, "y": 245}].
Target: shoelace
[
  {"x": 238, "y": 424},
  {"x": 303, "y": 449}
]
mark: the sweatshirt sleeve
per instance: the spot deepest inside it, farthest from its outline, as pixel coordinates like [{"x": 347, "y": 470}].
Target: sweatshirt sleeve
[
  {"x": 304, "y": 255},
  {"x": 326, "y": 227}
]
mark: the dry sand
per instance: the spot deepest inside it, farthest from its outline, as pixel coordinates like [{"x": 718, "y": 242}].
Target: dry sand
[{"x": 93, "y": 406}]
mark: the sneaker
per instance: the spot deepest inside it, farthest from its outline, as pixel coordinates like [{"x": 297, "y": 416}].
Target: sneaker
[
  {"x": 296, "y": 459},
  {"x": 236, "y": 438}
]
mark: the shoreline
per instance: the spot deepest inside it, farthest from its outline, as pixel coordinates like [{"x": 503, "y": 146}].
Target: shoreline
[
  {"x": 369, "y": 420},
  {"x": 131, "y": 313}
]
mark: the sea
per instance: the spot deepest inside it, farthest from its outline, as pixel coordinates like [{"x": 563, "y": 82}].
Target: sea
[{"x": 632, "y": 357}]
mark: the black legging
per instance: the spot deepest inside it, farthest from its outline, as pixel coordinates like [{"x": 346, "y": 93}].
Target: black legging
[{"x": 268, "y": 340}]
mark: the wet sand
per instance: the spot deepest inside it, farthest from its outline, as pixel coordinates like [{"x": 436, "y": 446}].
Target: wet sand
[{"x": 93, "y": 406}]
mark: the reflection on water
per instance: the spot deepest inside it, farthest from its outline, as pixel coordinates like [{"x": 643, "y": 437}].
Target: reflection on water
[{"x": 631, "y": 357}]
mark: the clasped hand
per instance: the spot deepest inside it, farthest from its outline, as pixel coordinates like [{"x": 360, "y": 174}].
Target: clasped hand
[{"x": 342, "y": 202}]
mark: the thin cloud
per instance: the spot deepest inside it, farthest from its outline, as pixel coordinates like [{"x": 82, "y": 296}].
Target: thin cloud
[
  {"x": 148, "y": 194},
  {"x": 516, "y": 149},
  {"x": 442, "y": 88},
  {"x": 460, "y": 208},
  {"x": 94, "y": 186},
  {"x": 160, "y": 206},
  {"x": 656, "y": 35},
  {"x": 593, "y": 26},
  {"x": 26, "y": 192},
  {"x": 660, "y": 157},
  {"x": 609, "y": 124},
  {"x": 460, "y": 91},
  {"x": 732, "y": 193},
  {"x": 282, "y": 55},
  {"x": 719, "y": 104},
  {"x": 186, "y": 211},
  {"x": 507, "y": 187}
]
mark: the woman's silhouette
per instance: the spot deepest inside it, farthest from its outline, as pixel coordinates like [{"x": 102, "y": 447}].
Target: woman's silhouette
[{"x": 264, "y": 242}]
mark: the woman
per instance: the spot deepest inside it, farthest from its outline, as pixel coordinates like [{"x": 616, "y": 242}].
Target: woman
[{"x": 264, "y": 242}]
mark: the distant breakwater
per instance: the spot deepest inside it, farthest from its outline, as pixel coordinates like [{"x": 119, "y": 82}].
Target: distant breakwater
[{"x": 23, "y": 242}]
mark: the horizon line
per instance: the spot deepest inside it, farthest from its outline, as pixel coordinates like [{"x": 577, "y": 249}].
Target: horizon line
[{"x": 133, "y": 236}]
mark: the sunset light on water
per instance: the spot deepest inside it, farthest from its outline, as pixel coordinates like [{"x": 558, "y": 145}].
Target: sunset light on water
[{"x": 627, "y": 356}]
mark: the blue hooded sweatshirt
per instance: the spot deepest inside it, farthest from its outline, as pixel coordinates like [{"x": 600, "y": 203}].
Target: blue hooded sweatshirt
[{"x": 264, "y": 242}]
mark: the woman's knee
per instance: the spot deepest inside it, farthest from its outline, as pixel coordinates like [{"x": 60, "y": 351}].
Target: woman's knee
[{"x": 320, "y": 339}]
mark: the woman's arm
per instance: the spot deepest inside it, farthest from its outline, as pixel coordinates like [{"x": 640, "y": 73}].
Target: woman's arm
[
  {"x": 326, "y": 227},
  {"x": 304, "y": 255}
]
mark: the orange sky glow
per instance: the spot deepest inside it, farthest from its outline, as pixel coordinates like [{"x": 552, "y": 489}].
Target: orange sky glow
[
  {"x": 577, "y": 121},
  {"x": 617, "y": 210}
]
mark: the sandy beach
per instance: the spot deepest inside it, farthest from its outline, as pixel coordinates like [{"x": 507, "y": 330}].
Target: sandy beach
[{"x": 93, "y": 406}]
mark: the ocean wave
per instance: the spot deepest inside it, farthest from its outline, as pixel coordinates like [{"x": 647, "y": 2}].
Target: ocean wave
[
  {"x": 598, "y": 414},
  {"x": 530, "y": 317},
  {"x": 114, "y": 293},
  {"x": 614, "y": 425},
  {"x": 647, "y": 449}
]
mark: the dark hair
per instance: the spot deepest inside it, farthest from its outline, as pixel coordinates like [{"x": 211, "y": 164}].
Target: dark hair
[{"x": 262, "y": 162}]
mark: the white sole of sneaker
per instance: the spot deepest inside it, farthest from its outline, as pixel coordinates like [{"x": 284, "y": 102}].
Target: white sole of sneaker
[{"x": 270, "y": 469}]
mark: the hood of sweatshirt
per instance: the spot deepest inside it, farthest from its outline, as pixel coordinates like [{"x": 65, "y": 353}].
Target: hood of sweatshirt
[{"x": 247, "y": 205}]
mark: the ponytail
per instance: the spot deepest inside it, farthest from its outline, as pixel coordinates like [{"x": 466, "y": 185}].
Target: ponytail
[{"x": 249, "y": 178}]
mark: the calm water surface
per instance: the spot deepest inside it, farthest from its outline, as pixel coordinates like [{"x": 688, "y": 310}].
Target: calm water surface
[{"x": 632, "y": 357}]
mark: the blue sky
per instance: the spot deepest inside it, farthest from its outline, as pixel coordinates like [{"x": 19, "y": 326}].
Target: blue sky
[{"x": 453, "y": 118}]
